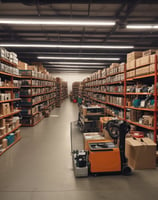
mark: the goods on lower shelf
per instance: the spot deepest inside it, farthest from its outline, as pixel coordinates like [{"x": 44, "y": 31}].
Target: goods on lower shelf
[
  {"x": 129, "y": 91},
  {"x": 37, "y": 96},
  {"x": 9, "y": 56},
  {"x": 75, "y": 91},
  {"x": 61, "y": 91}
]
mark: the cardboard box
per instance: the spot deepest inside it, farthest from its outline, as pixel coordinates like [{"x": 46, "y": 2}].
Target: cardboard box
[
  {"x": 152, "y": 68},
  {"x": 134, "y": 55},
  {"x": 4, "y": 108},
  {"x": 145, "y": 60},
  {"x": 142, "y": 71},
  {"x": 32, "y": 67},
  {"x": 22, "y": 65},
  {"x": 138, "y": 62},
  {"x": 106, "y": 135},
  {"x": 130, "y": 64},
  {"x": 149, "y": 52},
  {"x": 130, "y": 74},
  {"x": 141, "y": 153},
  {"x": 103, "y": 121}
]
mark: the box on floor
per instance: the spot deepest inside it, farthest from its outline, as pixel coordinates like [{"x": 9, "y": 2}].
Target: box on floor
[{"x": 141, "y": 153}]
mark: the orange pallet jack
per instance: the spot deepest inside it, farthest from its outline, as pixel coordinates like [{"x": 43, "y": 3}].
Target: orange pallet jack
[{"x": 106, "y": 156}]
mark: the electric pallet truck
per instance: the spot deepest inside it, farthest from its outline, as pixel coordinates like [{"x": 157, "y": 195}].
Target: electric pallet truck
[{"x": 105, "y": 156}]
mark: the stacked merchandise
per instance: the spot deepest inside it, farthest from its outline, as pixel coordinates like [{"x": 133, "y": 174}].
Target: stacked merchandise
[
  {"x": 75, "y": 90},
  {"x": 128, "y": 92},
  {"x": 64, "y": 90},
  {"x": 89, "y": 116},
  {"x": 10, "y": 84},
  {"x": 58, "y": 91},
  {"x": 37, "y": 95}
]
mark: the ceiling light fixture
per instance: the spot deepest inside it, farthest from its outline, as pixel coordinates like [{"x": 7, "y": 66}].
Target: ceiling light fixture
[
  {"x": 75, "y": 63},
  {"x": 57, "y": 22},
  {"x": 141, "y": 26},
  {"x": 75, "y": 66},
  {"x": 66, "y": 46},
  {"x": 75, "y": 58}
]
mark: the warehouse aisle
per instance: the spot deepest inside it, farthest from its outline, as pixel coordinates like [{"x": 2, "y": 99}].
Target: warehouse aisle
[{"x": 39, "y": 167}]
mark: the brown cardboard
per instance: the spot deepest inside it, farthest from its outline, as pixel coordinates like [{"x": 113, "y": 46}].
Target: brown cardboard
[
  {"x": 4, "y": 108},
  {"x": 131, "y": 64},
  {"x": 133, "y": 55},
  {"x": 32, "y": 67},
  {"x": 138, "y": 62},
  {"x": 142, "y": 71},
  {"x": 106, "y": 134},
  {"x": 103, "y": 120},
  {"x": 22, "y": 65},
  {"x": 141, "y": 153},
  {"x": 145, "y": 60},
  {"x": 149, "y": 52},
  {"x": 130, "y": 74}
]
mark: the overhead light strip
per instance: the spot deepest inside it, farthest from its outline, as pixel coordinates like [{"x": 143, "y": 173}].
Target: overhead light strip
[
  {"x": 57, "y": 22},
  {"x": 141, "y": 26},
  {"x": 75, "y": 58},
  {"x": 66, "y": 46},
  {"x": 75, "y": 66},
  {"x": 75, "y": 63}
]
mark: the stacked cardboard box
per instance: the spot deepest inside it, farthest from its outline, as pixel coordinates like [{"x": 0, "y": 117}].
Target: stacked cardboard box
[{"x": 141, "y": 153}]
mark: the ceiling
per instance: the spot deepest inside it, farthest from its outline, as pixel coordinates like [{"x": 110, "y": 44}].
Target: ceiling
[{"x": 122, "y": 12}]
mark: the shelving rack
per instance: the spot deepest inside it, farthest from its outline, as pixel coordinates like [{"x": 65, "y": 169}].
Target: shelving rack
[
  {"x": 96, "y": 91},
  {"x": 58, "y": 92},
  {"x": 38, "y": 96},
  {"x": 9, "y": 108},
  {"x": 64, "y": 90},
  {"x": 75, "y": 90}
]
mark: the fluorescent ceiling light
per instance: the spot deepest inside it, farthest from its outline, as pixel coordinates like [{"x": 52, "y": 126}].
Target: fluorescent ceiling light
[
  {"x": 75, "y": 58},
  {"x": 67, "y": 46},
  {"x": 55, "y": 22},
  {"x": 75, "y": 63},
  {"x": 75, "y": 66},
  {"x": 141, "y": 26}
]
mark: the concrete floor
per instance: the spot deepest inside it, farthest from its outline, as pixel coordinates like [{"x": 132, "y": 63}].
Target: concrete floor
[{"x": 39, "y": 167}]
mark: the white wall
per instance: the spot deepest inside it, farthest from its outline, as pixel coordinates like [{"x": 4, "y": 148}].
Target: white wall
[{"x": 71, "y": 77}]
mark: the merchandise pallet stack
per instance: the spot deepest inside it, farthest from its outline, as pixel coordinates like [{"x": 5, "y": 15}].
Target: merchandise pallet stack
[
  {"x": 75, "y": 90},
  {"x": 58, "y": 92},
  {"x": 9, "y": 100},
  {"x": 38, "y": 94},
  {"x": 64, "y": 90},
  {"x": 128, "y": 92}
]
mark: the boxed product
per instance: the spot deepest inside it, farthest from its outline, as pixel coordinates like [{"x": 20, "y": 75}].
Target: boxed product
[
  {"x": 149, "y": 52},
  {"x": 134, "y": 55},
  {"x": 142, "y": 70},
  {"x": 152, "y": 68},
  {"x": 148, "y": 120},
  {"x": 141, "y": 153},
  {"x": 32, "y": 67},
  {"x": 130, "y": 74},
  {"x": 145, "y": 60},
  {"x": 152, "y": 58},
  {"x": 138, "y": 62},
  {"x": 4, "y": 108},
  {"x": 130, "y": 64},
  {"x": 2, "y": 130},
  {"x": 22, "y": 65},
  {"x": 103, "y": 121}
]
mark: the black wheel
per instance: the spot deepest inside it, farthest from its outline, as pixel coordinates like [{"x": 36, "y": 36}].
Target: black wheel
[{"x": 126, "y": 171}]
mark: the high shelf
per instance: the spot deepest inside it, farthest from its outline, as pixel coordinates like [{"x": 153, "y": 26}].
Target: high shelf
[
  {"x": 64, "y": 90},
  {"x": 61, "y": 91},
  {"x": 9, "y": 104},
  {"x": 38, "y": 94},
  {"x": 127, "y": 93}
]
